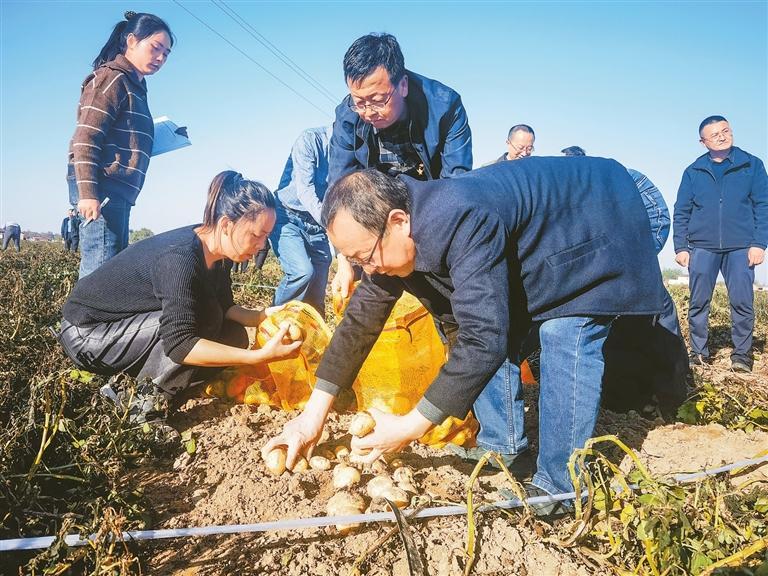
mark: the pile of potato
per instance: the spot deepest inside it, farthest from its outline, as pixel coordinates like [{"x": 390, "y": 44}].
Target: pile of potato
[{"x": 397, "y": 487}]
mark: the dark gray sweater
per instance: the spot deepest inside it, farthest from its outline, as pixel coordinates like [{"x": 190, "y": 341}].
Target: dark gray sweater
[{"x": 165, "y": 272}]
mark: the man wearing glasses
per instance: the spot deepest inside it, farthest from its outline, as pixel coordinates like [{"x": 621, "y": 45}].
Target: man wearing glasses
[
  {"x": 396, "y": 121},
  {"x": 489, "y": 252},
  {"x": 520, "y": 139},
  {"x": 721, "y": 225}
]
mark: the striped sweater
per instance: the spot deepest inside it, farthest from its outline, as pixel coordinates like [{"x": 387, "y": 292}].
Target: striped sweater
[{"x": 113, "y": 139}]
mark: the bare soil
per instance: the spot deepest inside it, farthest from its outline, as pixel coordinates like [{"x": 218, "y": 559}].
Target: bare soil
[{"x": 225, "y": 482}]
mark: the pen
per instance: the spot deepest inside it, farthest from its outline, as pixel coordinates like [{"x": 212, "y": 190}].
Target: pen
[{"x": 103, "y": 203}]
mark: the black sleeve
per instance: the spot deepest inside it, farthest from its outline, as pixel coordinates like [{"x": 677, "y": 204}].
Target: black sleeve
[
  {"x": 175, "y": 281},
  {"x": 477, "y": 261},
  {"x": 367, "y": 312}
]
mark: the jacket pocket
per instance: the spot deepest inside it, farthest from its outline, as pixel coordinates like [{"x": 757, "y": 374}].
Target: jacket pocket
[{"x": 577, "y": 252}]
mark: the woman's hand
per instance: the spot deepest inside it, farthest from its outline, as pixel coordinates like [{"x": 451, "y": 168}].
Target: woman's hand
[
  {"x": 280, "y": 346},
  {"x": 89, "y": 208},
  {"x": 300, "y": 435}
]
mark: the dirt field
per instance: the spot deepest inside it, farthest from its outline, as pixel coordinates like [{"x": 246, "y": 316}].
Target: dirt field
[{"x": 224, "y": 482}]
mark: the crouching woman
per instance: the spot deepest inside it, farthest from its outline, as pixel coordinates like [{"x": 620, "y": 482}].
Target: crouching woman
[{"x": 163, "y": 310}]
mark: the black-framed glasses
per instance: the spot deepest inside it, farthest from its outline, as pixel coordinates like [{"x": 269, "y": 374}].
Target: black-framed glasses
[
  {"x": 373, "y": 106},
  {"x": 518, "y": 149},
  {"x": 367, "y": 261}
]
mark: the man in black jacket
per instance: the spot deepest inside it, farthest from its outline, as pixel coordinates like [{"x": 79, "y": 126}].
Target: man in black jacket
[{"x": 489, "y": 251}]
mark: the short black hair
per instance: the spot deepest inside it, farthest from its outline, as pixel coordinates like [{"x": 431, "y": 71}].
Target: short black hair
[
  {"x": 520, "y": 128},
  {"x": 710, "y": 120},
  {"x": 574, "y": 151},
  {"x": 371, "y": 51},
  {"x": 369, "y": 196}
]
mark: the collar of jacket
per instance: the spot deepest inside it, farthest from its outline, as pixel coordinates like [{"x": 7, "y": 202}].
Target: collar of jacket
[
  {"x": 737, "y": 156},
  {"x": 417, "y": 107},
  {"x": 124, "y": 65}
]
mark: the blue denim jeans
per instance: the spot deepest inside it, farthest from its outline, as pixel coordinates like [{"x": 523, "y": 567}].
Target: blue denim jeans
[
  {"x": 569, "y": 393},
  {"x": 104, "y": 237},
  {"x": 739, "y": 277},
  {"x": 501, "y": 411},
  {"x": 302, "y": 247}
]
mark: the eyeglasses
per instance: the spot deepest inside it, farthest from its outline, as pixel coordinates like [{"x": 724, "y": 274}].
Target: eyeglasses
[
  {"x": 526, "y": 149},
  {"x": 367, "y": 261},
  {"x": 372, "y": 106},
  {"x": 725, "y": 132}
]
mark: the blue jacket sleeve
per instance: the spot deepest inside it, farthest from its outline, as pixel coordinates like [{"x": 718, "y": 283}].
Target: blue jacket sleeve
[
  {"x": 305, "y": 157},
  {"x": 65, "y": 228},
  {"x": 477, "y": 261},
  {"x": 457, "y": 151},
  {"x": 760, "y": 204},
  {"x": 682, "y": 213},
  {"x": 655, "y": 206}
]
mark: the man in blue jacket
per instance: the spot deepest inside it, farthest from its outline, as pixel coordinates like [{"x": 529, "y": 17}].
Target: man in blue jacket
[
  {"x": 298, "y": 239},
  {"x": 721, "y": 225},
  {"x": 396, "y": 121},
  {"x": 70, "y": 230},
  {"x": 544, "y": 240}
]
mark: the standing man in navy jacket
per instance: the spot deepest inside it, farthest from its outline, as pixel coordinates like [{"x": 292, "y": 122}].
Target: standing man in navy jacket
[
  {"x": 545, "y": 239},
  {"x": 396, "y": 121},
  {"x": 721, "y": 225}
]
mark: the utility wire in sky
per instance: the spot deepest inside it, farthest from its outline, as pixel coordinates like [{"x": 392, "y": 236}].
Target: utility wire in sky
[
  {"x": 280, "y": 80},
  {"x": 261, "y": 39}
]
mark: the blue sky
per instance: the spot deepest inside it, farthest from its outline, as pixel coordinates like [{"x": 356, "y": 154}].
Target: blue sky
[{"x": 627, "y": 80}]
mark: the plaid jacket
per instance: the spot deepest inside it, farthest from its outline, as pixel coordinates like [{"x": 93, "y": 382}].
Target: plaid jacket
[{"x": 112, "y": 144}]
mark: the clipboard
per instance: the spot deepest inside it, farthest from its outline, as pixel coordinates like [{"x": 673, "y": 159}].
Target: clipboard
[{"x": 168, "y": 136}]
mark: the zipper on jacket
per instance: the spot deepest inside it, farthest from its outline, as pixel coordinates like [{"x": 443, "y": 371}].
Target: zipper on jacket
[{"x": 427, "y": 169}]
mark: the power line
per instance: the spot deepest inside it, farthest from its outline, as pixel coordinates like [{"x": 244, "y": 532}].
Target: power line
[
  {"x": 277, "y": 78},
  {"x": 261, "y": 39}
]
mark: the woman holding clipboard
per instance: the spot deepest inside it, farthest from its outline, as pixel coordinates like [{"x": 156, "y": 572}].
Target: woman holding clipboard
[{"x": 110, "y": 150}]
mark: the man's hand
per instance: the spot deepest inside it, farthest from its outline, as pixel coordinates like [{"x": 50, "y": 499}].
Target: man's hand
[
  {"x": 301, "y": 434},
  {"x": 89, "y": 208},
  {"x": 344, "y": 278},
  {"x": 755, "y": 256},
  {"x": 682, "y": 258},
  {"x": 391, "y": 434}
]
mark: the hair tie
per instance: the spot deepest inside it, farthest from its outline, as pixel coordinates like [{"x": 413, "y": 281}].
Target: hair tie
[{"x": 129, "y": 14}]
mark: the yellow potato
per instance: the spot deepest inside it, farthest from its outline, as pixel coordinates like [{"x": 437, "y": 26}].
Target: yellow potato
[
  {"x": 275, "y": 461},
  {"x": 377, "y": 485},
  {"x": 319, "y": 463},
  {"x": 345, "y": 504},
  {"x": 345, "y": 476},
  {"x": 362, "y": 424},
  {"x": 397, "y": 496},
  {"x": 295, "y": 332},
  {"x": 341, "y": 451},
  {"x": 300, "y": 465}
]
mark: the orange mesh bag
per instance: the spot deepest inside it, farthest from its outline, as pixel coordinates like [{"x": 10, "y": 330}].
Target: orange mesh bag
[
  {"x": 400, "y": 367},
  {"x": 294, "y": 378},
  {"x": 284, "y": 384}
]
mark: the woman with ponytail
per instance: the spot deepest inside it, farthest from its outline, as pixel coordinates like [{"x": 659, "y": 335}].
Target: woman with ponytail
[
  {"x": 163, "y": 310},
  {"x": 110, "y": 150}
]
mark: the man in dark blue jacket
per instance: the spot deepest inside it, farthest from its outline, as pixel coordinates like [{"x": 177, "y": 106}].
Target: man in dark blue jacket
[
  {"x": 721, "y": 225},
  {"x": 544, "y": 240},
  {"x": 70, "y": 230},
  {"x": 396, "y": 121}
]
